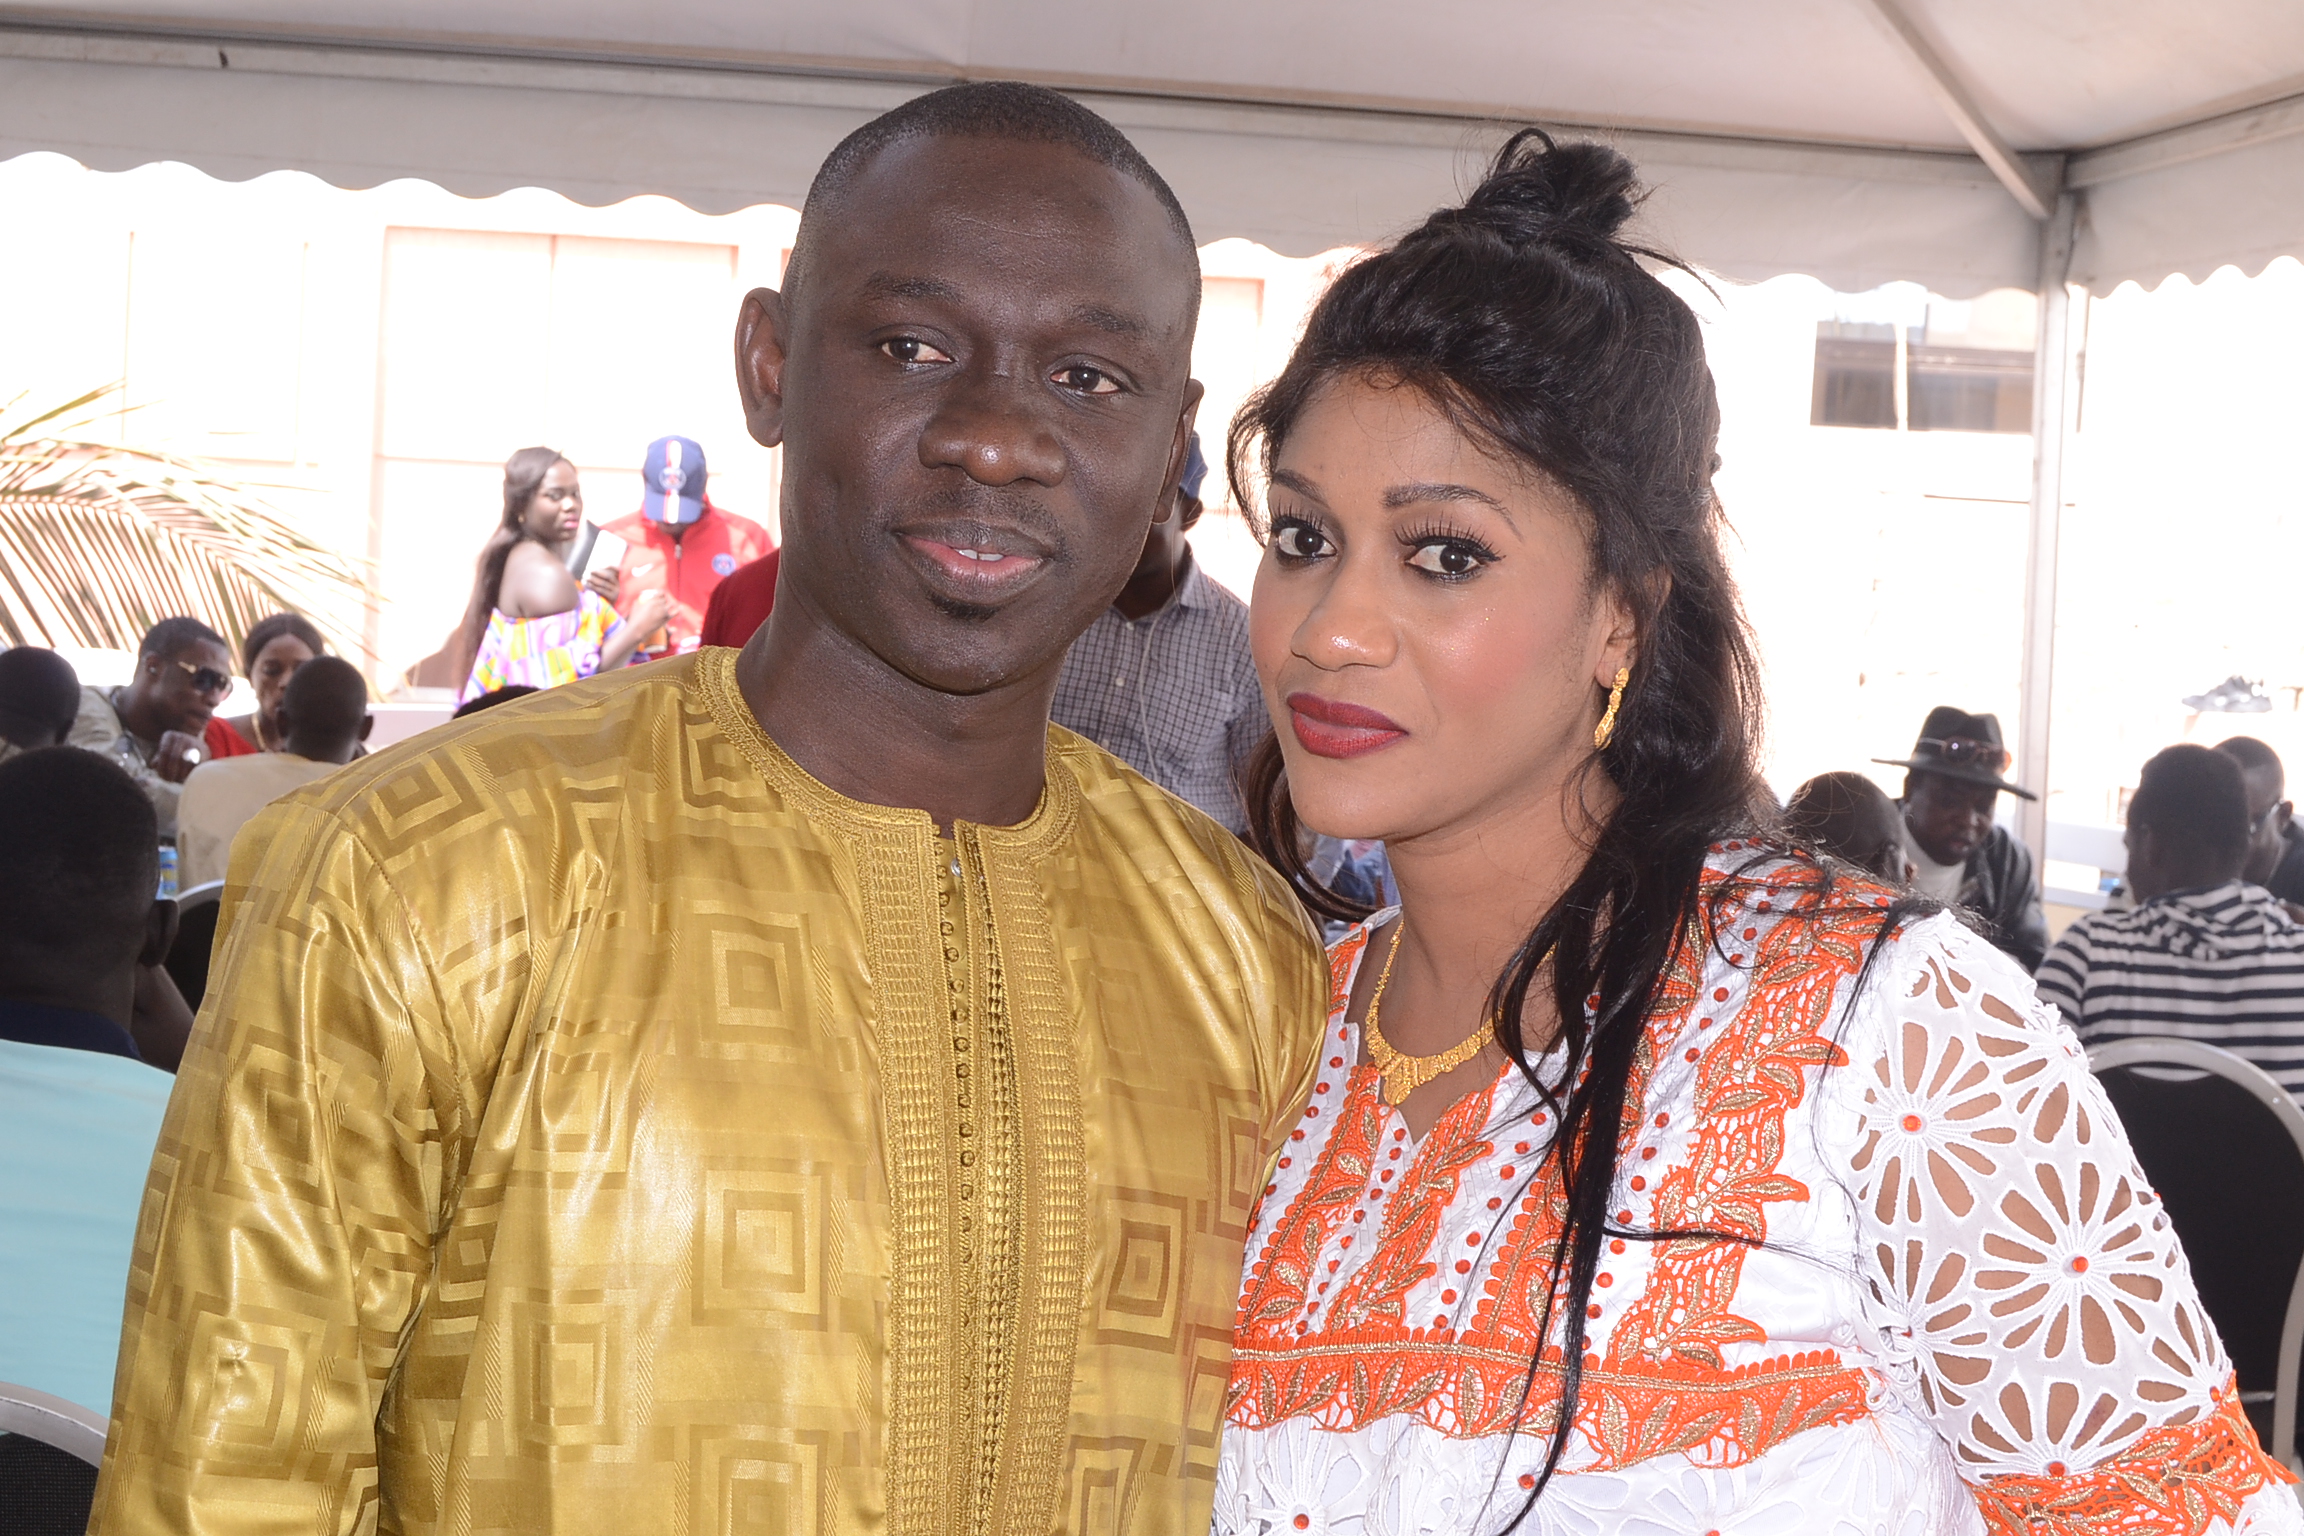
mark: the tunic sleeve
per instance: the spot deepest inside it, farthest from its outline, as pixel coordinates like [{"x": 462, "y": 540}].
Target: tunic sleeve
[
  {"x": 1291, "y": 1015},
  {"x": 2057, "y": 1343},
  {"x": 285, "y": 1239}
]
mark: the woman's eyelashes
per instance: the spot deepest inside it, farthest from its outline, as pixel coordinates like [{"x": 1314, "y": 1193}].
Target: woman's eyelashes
[
  {"x": 1446, "y": 554},
  {"x": 1439, "y": 552},
  {"x": 1296, "y": 540}
]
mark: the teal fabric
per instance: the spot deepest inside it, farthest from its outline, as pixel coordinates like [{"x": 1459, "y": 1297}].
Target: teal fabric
[{"x": 76, "y": 1136}]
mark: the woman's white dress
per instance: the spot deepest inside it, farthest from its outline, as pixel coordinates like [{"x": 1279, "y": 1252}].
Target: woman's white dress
[{"x": 1962, "y": 1308}]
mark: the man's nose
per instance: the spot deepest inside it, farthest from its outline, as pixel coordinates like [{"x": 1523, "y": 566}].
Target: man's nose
[{"x": 993, "y": 428}]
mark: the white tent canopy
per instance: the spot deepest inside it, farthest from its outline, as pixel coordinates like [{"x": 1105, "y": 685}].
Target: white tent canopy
[{"x": 1783, "y": 135}]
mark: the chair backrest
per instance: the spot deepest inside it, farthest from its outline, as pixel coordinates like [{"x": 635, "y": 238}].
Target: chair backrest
[
  {"x": 2223, "y": 1144},
  {"x": 188, "y": 957},
  {"x": 49, "y": 1452}
]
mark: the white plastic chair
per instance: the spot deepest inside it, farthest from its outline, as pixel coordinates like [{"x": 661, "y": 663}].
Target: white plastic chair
[{"x": 52, "y": 1421}]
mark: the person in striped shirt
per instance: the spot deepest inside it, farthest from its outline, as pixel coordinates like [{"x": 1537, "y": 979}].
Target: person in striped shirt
[{"x": 2203, "y": 955}]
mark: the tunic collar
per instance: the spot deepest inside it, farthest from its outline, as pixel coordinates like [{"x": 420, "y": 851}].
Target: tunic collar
[{"x": 1049, "y": 824}]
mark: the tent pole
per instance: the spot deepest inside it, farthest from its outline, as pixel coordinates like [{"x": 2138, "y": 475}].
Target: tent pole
[
  {"x": 2052, "y": 410},
  {"x": 1952, "y": 94}
]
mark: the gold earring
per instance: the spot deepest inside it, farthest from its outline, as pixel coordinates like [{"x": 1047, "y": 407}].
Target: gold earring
[{"x": 1607, "y": 726}]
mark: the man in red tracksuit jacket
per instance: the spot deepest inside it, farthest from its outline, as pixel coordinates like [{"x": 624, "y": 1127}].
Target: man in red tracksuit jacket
[{"x": 680, "y": 544}]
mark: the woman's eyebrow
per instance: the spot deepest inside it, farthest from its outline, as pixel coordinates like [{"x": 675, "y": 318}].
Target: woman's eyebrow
[
  {"x": 1398, "y": 496},
  {"x": 1298, "y": 484}
]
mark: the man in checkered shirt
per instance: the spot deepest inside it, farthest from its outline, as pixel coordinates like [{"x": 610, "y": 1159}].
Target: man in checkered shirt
[{"x": 1163, "y": 679}]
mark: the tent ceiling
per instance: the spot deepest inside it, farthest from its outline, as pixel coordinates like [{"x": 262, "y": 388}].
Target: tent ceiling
[{"x": 1784, "y": 135}]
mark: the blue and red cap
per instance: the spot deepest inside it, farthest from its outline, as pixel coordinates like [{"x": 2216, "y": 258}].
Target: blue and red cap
[{"x": 673, "y": 477}]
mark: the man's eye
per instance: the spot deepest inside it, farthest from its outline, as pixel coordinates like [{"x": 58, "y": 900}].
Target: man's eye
[
  {"x": 1448, "y": 558},
  {"x": 1086, "y": 380},
  {"x": 1299, "y": 541},
  {"x": 912, "y": 351}
]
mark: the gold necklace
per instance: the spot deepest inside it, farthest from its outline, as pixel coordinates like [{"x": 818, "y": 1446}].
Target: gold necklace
[{"x": 1403, "y": 1074}]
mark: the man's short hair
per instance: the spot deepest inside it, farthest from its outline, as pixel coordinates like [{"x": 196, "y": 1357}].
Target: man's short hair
[
  {"x": 39, "y": 696},
  {"x": 326, "y": 697},
  {"x": 170, "y": 636},
  {"x": 2196, "y": 799},
  {"x": 78, "y": 867},
  {"x": 2255, "y": 756},
  {"x": 1850, "y": 817},
  {"x": 989, "y": 109}
]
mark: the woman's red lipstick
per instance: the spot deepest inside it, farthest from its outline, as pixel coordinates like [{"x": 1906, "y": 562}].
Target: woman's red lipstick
[{"x": 1328, "y": 728}]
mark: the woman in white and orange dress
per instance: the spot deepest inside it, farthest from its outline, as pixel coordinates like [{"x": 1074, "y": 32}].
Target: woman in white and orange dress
[{"x": 1661, "y": 1177}]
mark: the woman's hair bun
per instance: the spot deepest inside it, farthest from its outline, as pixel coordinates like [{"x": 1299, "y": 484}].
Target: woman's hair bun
[{"x": 1538, "y": 192}]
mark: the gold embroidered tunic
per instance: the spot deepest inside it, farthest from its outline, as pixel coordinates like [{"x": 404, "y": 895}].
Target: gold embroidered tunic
[{"x": 600, "y": 1125}]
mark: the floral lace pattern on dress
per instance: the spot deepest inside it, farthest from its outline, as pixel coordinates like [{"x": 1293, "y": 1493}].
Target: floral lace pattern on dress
[{"x": 1944, "y": 1226}]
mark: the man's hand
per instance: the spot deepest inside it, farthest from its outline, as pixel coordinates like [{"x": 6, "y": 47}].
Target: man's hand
[
  {"x": 650, "y": 611},
  {"x": 179, "y": 754},
  {"x": 602, "y": 581}
]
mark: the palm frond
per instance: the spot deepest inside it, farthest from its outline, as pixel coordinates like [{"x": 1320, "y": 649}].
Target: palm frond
[{"x": 98, "y": 542}]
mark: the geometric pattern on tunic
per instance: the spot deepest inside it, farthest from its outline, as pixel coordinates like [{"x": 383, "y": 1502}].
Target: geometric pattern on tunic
[{"x": 533, "y": 1165}]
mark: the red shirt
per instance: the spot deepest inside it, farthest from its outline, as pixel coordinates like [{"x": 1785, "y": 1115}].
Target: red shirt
[
  {"x": 742, "y": 602},
  {"x": 689, "y": 567},
  {"x": 222, "y": 740}
]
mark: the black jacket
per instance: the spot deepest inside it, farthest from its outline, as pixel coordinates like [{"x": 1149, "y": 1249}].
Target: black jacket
[{"x": 2001, "y": 888}]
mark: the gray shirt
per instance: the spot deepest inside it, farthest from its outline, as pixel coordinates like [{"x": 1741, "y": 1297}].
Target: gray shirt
[
  {"x": 1173, "y": 695},
  {"x": 98, "y": 728}
]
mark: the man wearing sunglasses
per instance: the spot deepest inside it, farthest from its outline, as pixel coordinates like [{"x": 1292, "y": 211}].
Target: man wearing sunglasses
[
  {"x": 152, "y": 727},
  {"x": 1959, "y": 856}
]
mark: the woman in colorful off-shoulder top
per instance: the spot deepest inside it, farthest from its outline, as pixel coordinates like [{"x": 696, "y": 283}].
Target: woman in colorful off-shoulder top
[
  {"x": 1662, "y": 1178},
  {"x": 529, "y": 624}
]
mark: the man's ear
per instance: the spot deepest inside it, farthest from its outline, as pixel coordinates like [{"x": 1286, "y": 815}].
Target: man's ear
[
  {"x": 1179, "y": 451},
  {"x": 2142, "y": 846},
  {"x": 287, "y": 722},
  {"x": 761, "y": 342},
  {"x": 159, "y": 933},
  {"x": 367, "y": 724}
]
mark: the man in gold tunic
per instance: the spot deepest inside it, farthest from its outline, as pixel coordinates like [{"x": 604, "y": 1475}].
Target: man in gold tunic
[{"x": 787, "y": 1091}]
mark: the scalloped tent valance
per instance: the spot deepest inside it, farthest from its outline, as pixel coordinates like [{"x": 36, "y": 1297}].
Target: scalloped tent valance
[{"x": 1860, "y": 141}]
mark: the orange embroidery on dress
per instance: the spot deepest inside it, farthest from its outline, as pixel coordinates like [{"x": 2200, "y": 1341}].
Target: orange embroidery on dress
[
  {"x": 2170, "y": 1482},
  {"x": 1663, "y": 1385},
  {"x": 1343, "y": 960},
  {"x": 1412, "y": 1218}
]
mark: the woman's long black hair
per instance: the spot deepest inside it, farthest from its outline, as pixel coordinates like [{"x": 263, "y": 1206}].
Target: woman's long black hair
[
  {"x": 524, "y": 474},
  {"x": 1527, "y": 319}
]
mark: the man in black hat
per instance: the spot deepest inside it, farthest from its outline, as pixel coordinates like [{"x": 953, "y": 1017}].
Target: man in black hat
[{"x": 1959, "y": 855}]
